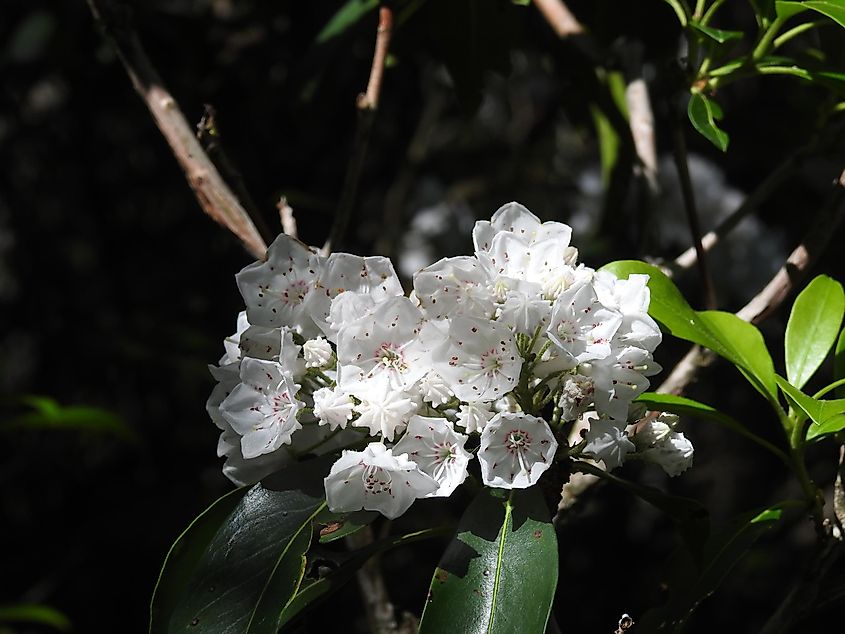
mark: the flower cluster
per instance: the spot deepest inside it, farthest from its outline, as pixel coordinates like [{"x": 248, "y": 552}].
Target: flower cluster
[{"x": 493, "y": 356}]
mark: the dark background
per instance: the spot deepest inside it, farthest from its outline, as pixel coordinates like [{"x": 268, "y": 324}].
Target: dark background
[{"x": 116, "y": 291}]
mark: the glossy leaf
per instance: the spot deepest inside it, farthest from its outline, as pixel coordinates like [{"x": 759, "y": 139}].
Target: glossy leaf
[
  {"x": 347, "y": 16},
  {"x": 703, "y": 112},
  {"x": 690, "y": 583},
  {"x": 313, "y": 591},
  {"x": 827, "y": 416},
  {"x": 334, "y": 526},
  {"x": 500, "y": 571},
  {"x": 185, "y": 554},
  {"x": 839, "y": 362},
  {"x": 719, "y": 35},
  {"x": 255, "y": 563},
  {"x": 812, "y": 328},
  {"x": 726, "y": 334},
  {"x": 834, "y": 9},
  {"x": 688, "y": 407}
]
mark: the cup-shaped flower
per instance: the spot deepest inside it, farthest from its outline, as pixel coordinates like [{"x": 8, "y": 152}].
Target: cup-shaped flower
[
  {"x": 263, "y": 407},
  {"x": 438, "y": 451},
  {"x": 333, "y": 407},
  {"x": 619, "y": 379},
  {"x": 317, "y": 352},
  {"x": 581, "y": 326},
  {"x": 454, "y": 286},
  {"x": 384, "y": 409},
  {"x": 607, "y": 441},
  {"x": 376, "y": 480},
  {"x": 516, "y": 448},
  {"x": 630, "y": 298},
  {"x": 674, "y": 454}
]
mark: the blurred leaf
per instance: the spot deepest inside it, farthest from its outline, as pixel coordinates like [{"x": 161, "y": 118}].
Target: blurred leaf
[
  {"x": 348, "y": 15},
  {"x": 839, "y": 362},
  {"x": 812, "y": 328},
  {"x": 255, "y": 563},
  {"x": 314, "y": 591},
  {"x": 719, "y": 35},
  {"x": 34, "y": 614},
  {"x": 827, "y": 416},
  {"x": 49, "y": 414},
  {"x": 679, "y": 10},
  {"x": 31, "y": 37},
  {"x": 688, "y": 407},
  {"x": 690, "y": 584},
  {"x": 608, "y": 142},
  {"x": 764, "y": 8},
  {"x": 834, "y": 9},
  {"x": 184, "y": 556},
  {"x": 334, "y": 526},
  {"x": 499, "y": 572},
  {"x": 726, "y": 334},
  {"x": 690, "y": 516},
  {"x": 703, "y": 113}
]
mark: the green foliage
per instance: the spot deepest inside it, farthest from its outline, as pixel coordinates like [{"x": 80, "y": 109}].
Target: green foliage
[
  {"x": 834, "y": 9},
  {"x": 839, "y": 362},
  {"x": 335, "y": 526},
  {"x": 48, "y": 414},
  {"x": 500, "y": 571},
  {"x": 717, "y": 35},
  {"x": 827, "y": 417},
  {"x": 347, "y": 16},
  {"x": 34, "y": 614},
  {"x": 703, "y": 112},
  {"x": 812, "y": 328}
]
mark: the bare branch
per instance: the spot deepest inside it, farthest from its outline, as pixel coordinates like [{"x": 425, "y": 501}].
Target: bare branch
[
  {"x": 287, "y": 218},
  {"x": 367, "y": 104},
  {"x": 560, "y": 18},
  {"x": 380, "y": 613},
  {"x": 213, "y": 194}
]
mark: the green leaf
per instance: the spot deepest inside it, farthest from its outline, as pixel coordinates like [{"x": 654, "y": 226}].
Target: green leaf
[
  {"x": 185, "y": 554},
  {"x": 334, "y": 526},
  {"x": 34, "y": 614},
  {"x": 839, "y": 362},
  {"x": 726, "y": 334},
  {"x": 255, "y": 563},
  {"x": 314, "y": 591},
  {"x": 703, "y": 113},
  {"x": 688, "y": 407},
  {"x": 48, "y": 414},
  {"x": 719, "y": 35},
  {"x": 500, "y": 571},
  {"x": 690, "y": 583},
  {"x": 827, "y": 416},
  {"x": 834, "y": 9},
  {"x": 608, "y": 142},
  {"x": 812, "y": 328},
  {"x": 348, "y": 15}
]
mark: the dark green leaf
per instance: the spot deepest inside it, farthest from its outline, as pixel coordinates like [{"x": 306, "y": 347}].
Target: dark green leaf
[
  {"x": 255, "y": 563},
  {"x": 726, "y": 334},
  {"x": 839, "y": 362},
  {"x": 34, "y": 614},
  {"x": 688, "y": 407},
  {"x": 348, "y": 15},
  {"x": 690, "y": 583},
  {"x": 334, "y": 526},
  {"x": 812, "y": 328},
  {"x": 500, "y": 571},
  {"x": 834, "y": 9},
  {"x": 185, "y": 554},
  {"x": 703, "y": 113},
  {"x": 313, "y": 591},
  {"x": 719, "y": 35}
]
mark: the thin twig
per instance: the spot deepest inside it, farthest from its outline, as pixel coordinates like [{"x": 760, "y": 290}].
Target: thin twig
[
  {"x": 381, "y": 616},
  {"x": 287, "y": 218},
  {"x": 214, "y": 195},
  {"x": 640, "y": 116},
  {"x": 680, "y": 155},
  {"x": 367, "y": 104},
  {"x": 560, "y": 18}
]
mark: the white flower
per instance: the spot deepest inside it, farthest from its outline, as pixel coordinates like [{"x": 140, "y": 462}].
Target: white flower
[
  {"x": 619, "y": 379},
  {"x": 231, "y": 344},
  {"x": 376, "y": 480},
  {"x": 275, "y": 290},
  {"x": 581, "y": 326},
  {"x": 384, "y": 409},
  {"x": 273, "y": 344},
  {"x": 434, "y": 389},
  {"x": 674, "y": 454},
  {"x": 263, "y": 407},
  {"x": 343, "y": 272},
  {"x": 438, "y": 451},
  {"x": 474, "y": 416},
  {"x": 606, "y": 441},
  {"x": 454, "y": 286},
  {"x": 333, "y": 407},
  {"x": 317, "y": 352},
  {"x": 480, "y": 360},
  {"x": 631, "y": 298},
  {"x": 243, "y": 472},
  {"x": 515, "y": 450},
  {"x": 576, "y": 396},
  {"x": 654, "y": 431},
  {"x": 227, "y": 377},
  {"x": 384, "y": 342},
  {"x": 515, "y": 219},
  {"x": 524, "y": 312}
]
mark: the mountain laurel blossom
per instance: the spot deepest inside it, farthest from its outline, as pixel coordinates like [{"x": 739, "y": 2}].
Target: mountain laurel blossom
[{"x": 499, "y": 354}]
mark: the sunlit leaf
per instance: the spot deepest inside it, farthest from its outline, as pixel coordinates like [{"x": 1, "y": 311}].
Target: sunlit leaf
[
  {"x": 34, "y": 614},
  {"x": 827, "y": 416},
  {"x": 703, "y": 112},
  {"x": 348, "y": 15},
  {"x": 718, "y": 35},
  {"x": 834, "y": 9}
]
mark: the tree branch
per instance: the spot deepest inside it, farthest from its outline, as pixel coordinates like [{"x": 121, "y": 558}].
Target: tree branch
[
  {"x": 560, "y": 18},
  {"x": 367, "y": 104},
  {"x": 213, "y": 194}
]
